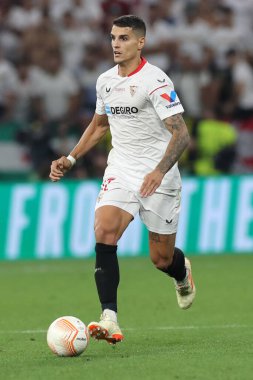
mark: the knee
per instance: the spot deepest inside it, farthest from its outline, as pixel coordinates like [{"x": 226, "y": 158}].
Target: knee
[
  {"x": 162, "y": 264},
  {"x": 106, "y": 234},
  {"x": 160, "y": 261}
]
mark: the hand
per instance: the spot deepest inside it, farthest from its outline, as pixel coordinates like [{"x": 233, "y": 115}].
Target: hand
[
  {"x": 151, "y": 182},
  {"x": 59, "y": 168}
]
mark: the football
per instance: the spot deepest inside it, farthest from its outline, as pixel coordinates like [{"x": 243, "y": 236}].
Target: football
[{"x": 67, "y": 336}]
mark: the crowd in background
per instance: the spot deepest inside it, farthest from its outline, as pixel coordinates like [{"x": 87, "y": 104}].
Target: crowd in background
[{"x": 52, "y": 51}]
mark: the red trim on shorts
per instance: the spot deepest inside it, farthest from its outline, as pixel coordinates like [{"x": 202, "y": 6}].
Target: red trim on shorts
[
  {"x": 143, "y": 62},
  {"x": 165, "y": 85}
]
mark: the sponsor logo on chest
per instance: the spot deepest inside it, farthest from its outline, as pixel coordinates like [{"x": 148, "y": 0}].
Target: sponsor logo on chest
[
  {"x": 119, "y": 110},
  {"x": 123, "y": 101}
]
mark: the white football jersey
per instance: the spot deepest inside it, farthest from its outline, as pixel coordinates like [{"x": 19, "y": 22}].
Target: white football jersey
[{"x": 136, "y": 106}]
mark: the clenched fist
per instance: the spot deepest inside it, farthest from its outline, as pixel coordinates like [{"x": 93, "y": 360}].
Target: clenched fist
[{"x": 59, "y": 168}]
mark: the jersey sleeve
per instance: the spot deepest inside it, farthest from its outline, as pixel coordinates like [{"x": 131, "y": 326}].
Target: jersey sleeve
[
  {"x": 100, "y": 107},
  {"x": 164, "y": 98}
]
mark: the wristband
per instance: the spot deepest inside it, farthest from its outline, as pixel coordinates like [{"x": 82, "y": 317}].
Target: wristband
[{"x": 71, "y": 159}]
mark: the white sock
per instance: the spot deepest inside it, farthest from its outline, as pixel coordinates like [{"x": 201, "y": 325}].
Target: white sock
[{"x": 112, "y": 316}]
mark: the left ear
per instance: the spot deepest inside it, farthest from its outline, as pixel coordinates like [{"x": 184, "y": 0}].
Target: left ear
[{"x": 141, "y": 43}]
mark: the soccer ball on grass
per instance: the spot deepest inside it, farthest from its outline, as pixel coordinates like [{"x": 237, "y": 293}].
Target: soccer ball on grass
[{"x": 67, "y": 336}]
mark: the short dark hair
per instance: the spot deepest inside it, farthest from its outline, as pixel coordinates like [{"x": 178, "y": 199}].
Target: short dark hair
[{"x": 131, "y": 21}]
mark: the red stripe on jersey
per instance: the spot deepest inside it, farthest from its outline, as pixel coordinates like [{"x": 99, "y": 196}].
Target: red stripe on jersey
[
  {"x": 165, "y": 85},
  {"x": 143, "y": 62}
]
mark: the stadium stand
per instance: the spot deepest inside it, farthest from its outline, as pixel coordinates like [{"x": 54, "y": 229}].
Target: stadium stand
[{"x": 52, "y": 51}]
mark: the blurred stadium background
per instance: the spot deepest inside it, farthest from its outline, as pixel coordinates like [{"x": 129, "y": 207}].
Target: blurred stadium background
[{"x": 51, "y": 53}]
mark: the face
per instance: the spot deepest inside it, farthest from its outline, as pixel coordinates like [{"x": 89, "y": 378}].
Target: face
[{"x": 126, "y": 44}]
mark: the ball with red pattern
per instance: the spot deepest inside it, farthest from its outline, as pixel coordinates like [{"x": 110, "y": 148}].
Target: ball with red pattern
[{"x": 67, "y": 336}]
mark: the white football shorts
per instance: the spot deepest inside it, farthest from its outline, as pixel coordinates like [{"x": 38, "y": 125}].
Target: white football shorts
[{"x": 159, "y": 212}]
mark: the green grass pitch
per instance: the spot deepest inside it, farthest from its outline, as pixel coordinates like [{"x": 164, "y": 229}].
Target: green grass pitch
[{"x": 212, "y": 340}]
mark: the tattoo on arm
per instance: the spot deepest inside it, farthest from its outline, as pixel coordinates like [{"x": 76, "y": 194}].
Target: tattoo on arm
[
  {"x": 174, "y": 122},
  {"x": 179, "y": 141}
]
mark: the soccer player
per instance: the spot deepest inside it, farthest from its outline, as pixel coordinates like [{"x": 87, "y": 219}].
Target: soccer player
[{"x": 137, "y": 101}]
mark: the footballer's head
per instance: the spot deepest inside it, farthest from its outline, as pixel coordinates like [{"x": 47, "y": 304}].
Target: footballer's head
[
  {"x": 128, "y": 37},
  {"x": 130, "y": 21}
]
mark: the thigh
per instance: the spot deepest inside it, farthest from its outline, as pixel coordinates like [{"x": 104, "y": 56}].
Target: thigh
[
  {"x": 112, "y": 220},
  {"x": 160, "y": 212},
  {"x": 115, "y": 209}
]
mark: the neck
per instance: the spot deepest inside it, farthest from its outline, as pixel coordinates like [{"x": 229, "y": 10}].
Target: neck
[{"x": 126, "y": 68}]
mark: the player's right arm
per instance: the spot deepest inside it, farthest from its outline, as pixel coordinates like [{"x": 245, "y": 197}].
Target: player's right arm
[{"x": 91, "y": 136}]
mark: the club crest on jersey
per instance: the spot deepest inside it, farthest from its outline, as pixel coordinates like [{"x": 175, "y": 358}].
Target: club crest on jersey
[{"x": 133, "y": 90}]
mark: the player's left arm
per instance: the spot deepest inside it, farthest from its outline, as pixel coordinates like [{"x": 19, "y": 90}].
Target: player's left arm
[{"x": 178, "y": 142}]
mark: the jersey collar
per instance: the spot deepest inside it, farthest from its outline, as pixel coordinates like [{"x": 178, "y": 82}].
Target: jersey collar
[{"x": 143, "y": 62}]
